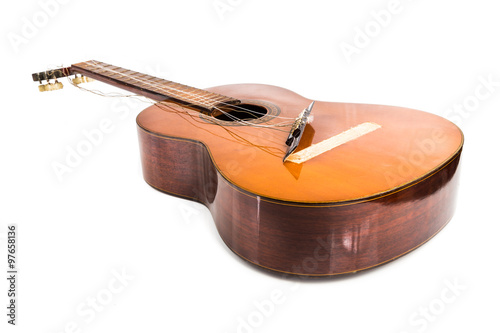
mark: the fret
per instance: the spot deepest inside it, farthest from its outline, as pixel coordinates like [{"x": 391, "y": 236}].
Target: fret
[
  {"x": 144, "y": 77},
  {"x": 196, "y": 98},
  {"x": 218, "y": 99},
  {"x": 100, "y": 71},
  {"x": 129, "y": 73},
  {"x": 122, "y": 78},
  {"x": 114, "y": 75},
  {"x": 174, "y": 84},
  {"x": 114, "y": 68},
  {"x": 156, "y": 79}
]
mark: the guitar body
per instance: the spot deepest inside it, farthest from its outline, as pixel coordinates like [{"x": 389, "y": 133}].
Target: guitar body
[
  {"x": 353, "y": 207},
  {"x": 357, "y": 186}
]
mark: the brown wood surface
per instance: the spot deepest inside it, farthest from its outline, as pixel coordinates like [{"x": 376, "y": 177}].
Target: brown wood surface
[{"x": 354, "y": 207}]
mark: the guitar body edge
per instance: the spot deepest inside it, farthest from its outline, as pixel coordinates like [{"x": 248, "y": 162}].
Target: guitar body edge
[{"x": 300, "y": 238}]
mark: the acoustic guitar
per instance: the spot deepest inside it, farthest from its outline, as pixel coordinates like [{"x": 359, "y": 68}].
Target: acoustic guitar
[{"x": 294, "y": 186}]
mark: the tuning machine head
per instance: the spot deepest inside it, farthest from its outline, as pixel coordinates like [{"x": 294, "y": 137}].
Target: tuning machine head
[
  {"x": 81, "y": 79},
  {"x": 50, "y": 86},
  {"x": 51, "y": 75},
  {"x": 56, "y": 74}
]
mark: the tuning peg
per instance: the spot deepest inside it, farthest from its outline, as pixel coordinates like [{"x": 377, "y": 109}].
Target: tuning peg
[
  {"x": 50, "y": 86},
  {"x": 82, "y": 79}
]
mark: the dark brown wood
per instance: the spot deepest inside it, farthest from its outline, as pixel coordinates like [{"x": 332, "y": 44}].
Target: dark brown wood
[{"x": 303, "y": 239}]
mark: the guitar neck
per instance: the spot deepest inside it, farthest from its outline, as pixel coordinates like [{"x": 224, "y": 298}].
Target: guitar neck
[{"x": 152, "y": 87}]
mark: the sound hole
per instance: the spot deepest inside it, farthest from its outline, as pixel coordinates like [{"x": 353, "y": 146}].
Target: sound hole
[
  {"x": 250, "y": 110},
  {"x": 242, "y": 112}
]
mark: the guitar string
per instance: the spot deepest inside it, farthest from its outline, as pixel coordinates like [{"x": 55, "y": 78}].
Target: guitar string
[
  {"x": 238, "y": 138},
  {"x": 157, "y": 85},
  {"x": 205, "y": 100},
  {"x": 230, "y": 116},
  {"x": 236, "y": 119},
  {"x": 170, "y": 109},
  {"x": 232, "y": 133},
  {"x": 150, "y": 101}
]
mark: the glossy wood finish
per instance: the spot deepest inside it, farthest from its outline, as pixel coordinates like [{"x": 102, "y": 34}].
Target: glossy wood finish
[{"x": 357, "y": 206}]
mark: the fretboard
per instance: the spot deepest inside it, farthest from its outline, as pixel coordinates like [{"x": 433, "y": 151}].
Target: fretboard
[{"x": 152, "y": 87}]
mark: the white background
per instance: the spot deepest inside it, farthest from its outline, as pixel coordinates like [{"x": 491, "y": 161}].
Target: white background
[{"x": 102, "y": 218}]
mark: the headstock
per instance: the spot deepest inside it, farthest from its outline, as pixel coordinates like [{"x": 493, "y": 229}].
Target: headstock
[{"x": 56, "y": 74}]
